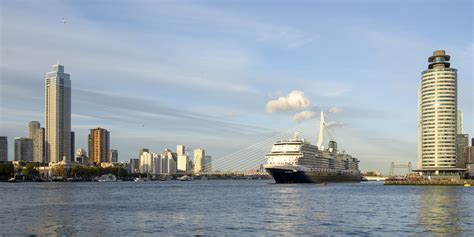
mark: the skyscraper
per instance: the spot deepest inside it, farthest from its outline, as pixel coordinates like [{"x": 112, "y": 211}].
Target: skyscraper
[
  {"x": 141, "y": 150},
  {"x": 3, "y": 148},
  {"x": 36, "y": 133},
  {"x": 23, "y": 149},
  {"x": 459, "y": 122},
  {"x": 180, "y": 150},
  {"x": 199, "y": 155},
  {"x": 58, "y": 114},
  {"x": 99, "y": 145},
  {"x": 437, "y": 104}
]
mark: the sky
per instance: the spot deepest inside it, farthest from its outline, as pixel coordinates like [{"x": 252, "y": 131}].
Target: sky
[{"x": 223, "y": 75}]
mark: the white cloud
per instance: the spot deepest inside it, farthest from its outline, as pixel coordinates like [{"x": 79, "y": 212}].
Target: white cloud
[
  {"x": 335, "y": 110},
  {"x": 303, "y": 115},
  {"x": 333, "y": 124},
  {"x": 294, "y": 101}
]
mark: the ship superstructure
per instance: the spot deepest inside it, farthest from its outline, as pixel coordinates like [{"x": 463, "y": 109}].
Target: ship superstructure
[{"x": 295, "y": 160}]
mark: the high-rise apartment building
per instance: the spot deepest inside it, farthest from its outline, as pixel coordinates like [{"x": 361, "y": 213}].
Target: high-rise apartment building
[
  {"x": 199, "y": 155},
  {"x": 23, "y": 149},
  {"x": 459, "y": 122},
  {"x": 58, "y": 115},
  {"x": 81, "y": 156},
  {"x": 36, "y": 133},
  {"x": 182, "y": 164},
  {"x": 462, "y": 141},
  {"x": 113, "y": 156},
  {"x": 141, "y": 150},
  {"x": 99, "y": 145},
  {"x": 3, "y": 148},
  {"x": 73, "y": 145},
  {"x": 438, "y": 117},
  {"x": 207, "y": 167},
  {"x": 180, "y": 150}
]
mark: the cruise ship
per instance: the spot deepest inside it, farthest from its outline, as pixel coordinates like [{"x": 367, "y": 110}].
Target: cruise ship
[{"x": 295, "y": 160}]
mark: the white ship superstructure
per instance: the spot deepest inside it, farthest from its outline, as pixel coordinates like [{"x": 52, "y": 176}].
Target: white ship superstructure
[{"x": 296, "y": 160}]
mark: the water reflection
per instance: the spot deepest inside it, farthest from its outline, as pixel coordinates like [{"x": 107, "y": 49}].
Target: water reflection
[{"x": 440, "y": 211}]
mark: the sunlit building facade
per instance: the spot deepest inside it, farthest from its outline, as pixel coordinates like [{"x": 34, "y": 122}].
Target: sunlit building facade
[
  {"x": 438, "y": 116},
  {"x": 58, "y": 115}
]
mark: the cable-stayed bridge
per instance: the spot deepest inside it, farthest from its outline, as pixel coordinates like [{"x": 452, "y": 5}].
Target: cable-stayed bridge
[{"x": 253, "y": 156}]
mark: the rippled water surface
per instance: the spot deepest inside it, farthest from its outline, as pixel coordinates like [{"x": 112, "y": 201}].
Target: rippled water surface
[{"x": 234, "y": 207}]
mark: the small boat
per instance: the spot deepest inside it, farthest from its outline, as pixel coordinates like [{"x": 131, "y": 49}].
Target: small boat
[
  {"x": 12, "y": 180},
  {"x": 140, "y": 179},
  {"x": 186, "y": 178},
  {"x": 467, "y": 185},
  {"x": 107, "y": 178}
]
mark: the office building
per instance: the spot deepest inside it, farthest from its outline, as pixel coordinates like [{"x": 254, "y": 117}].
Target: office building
[
  {"x": 156, "y": 163},
  {"x": 23, "y": 149},
  {"x": 462, "y": 141},
  {"x": 81, "y": 156},
  {"x": 199, "y": 155},
  {"x": 99, "y": 145},
  {"x": 58, "y": 115},
  {"x": 134, "y": 166},
  {"x": 146, "y": 163},
  {"x": 437, "y": 124},
  {"x": 3, "y": 148},
  {"x": 36, "y": 133},
  {"x": 183, "y": 164},
  {"x": 169, "y": 160},
  {"x": 469, "y": 158},
  {"x": 113, "y": 156},
  {"x": 141, "y": 150},
  {"x": 73, "y": 145},
  {"x": 207, "y": 167},
  {"x": 180, "y": 150}
]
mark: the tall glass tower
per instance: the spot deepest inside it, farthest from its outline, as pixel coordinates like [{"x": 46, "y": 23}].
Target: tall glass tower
[
  {"x": 437, "y": 116},
  {"x": 58, "y": 115}
]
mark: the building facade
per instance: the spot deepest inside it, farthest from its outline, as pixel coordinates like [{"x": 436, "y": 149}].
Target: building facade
[
  {"x": 207, "y": 167},
  {"x": 73, "y": 145},
  {"x": 180, "y": 150},
  {"x": 3, "y": 148},
  {"x": 199, "y": 155},
  {"x": 81, "y": 156},
  {"x": 23, "y": 149},
  {"x": 58, "y": 115},
  {"x": 438, "y": 117},
  {"x": 99, "y": 145},
  {"x": 113, "y": 156},
  {"x": 36, "y": 133},
  {"x": 462, "y": 141}
]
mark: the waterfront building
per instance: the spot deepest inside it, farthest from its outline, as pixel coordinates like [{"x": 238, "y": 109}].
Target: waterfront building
[
  {"x": 437, "y": 126},
  {"x": 180, "y": 150},
  {"x": 81, "y": 156},
  {"x": 459, "y": 122},
  {"x": 199, "y": 155},
  {"x": 207, "y": 167},
  {"x": 58, "y": 115},
  {"x": 183, "y": 163},
  {"x": 134, "y": 166},
  {"x": 73, "y": 145},
  {"x": 36, "y": 133},
  {"x": 3, "y": 148},
  {"x": 113, "y": 156},
  {"x": 156, "y": 169},
  {"x": 141, "y": 150},
  {"x": 170, "y": 158},
  {"x": 462, "y": 141},
  {"x": 99, "y": 145},
  {"x": 469, "y": 158},
  {"x": 23, "y": 149},
  {"x": 146, "y": 163}
]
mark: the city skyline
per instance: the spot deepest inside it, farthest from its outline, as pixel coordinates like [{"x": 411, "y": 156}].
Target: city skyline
[{"x": 154, "y": 98}]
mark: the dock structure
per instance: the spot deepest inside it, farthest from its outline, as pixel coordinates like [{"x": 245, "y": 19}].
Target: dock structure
[{"x": 440, "y": 182}]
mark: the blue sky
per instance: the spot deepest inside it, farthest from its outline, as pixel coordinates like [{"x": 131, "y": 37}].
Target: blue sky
[{"x": 200, "y": 73}]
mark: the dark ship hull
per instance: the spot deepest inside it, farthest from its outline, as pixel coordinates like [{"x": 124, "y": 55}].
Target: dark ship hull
[{"x": 281, "y": 175}]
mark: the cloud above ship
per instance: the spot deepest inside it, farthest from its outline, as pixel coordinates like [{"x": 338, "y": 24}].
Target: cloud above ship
[
  {"x": 295, "y": 100},
  {"x": 304, "y": 115}
]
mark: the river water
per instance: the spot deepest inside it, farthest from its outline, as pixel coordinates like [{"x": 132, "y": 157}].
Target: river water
[{"x": 233, "y": 207}]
